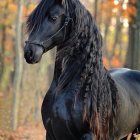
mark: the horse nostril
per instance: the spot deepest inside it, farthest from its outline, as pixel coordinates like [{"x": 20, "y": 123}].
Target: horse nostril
[{"x": 31, "y": 53}]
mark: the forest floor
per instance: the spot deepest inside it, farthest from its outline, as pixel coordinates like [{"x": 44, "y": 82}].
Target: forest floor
[{"x": 24, "y": 133}]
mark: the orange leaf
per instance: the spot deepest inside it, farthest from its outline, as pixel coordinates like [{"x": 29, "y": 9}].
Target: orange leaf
[
  {"x": 115, "y": 62},
  {"x": 12, "y": 7}
]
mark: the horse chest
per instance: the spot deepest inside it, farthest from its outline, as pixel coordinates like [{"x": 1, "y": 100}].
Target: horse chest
[{"x": 62, "y": 117}]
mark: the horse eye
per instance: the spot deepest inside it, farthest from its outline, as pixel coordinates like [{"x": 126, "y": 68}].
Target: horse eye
[{"x": 53, "y": 18}]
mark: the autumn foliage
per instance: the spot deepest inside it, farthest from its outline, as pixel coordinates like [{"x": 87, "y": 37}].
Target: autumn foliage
[
  {"x": 8, "y": 13},
  {"x": 113, "y": 20}
]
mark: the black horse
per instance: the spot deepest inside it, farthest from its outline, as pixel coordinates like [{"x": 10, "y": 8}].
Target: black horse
[{"x": 85, "y": 101}]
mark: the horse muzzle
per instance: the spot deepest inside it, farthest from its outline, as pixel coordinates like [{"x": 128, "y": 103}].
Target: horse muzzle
[{"x": 33, "y": 53}]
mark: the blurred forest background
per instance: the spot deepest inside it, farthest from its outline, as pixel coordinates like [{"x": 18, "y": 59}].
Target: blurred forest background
[{"x": 23, "y": 86}]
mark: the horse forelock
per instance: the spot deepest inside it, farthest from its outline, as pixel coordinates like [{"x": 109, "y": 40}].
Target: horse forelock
[{"x": 37, "y": 16}]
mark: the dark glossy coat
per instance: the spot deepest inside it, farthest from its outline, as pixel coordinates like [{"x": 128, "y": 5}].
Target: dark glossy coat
[{"x": 85, "y": 101}]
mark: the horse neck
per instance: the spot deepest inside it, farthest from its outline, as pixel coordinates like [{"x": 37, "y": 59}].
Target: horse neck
[{"x": 81, "y": 57}]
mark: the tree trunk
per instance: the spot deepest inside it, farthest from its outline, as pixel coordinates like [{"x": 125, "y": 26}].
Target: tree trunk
[
  {"x": 95, "y": 9},
  {"x": 18, "y": 66},
  {"x": 5, "y": 69},
  {"x": 117, "y": 35},
  {"x": 133, "y": 54}
]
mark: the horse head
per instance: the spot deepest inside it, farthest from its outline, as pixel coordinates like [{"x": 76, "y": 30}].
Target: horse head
[{"x": 47, "y": 27}]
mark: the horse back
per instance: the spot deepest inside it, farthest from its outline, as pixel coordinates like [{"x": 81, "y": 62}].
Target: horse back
[
  {"x": 128, "y": 84},
  {"x": 128, "y": 79}
]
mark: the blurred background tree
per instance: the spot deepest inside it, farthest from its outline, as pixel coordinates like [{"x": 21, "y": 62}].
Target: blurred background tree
[
  {"x": 133, "y": 53},
  {"x": 22, "y": 87}
]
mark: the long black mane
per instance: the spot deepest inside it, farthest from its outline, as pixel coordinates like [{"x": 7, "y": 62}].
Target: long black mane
[{"x": 83, "y": 55}]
